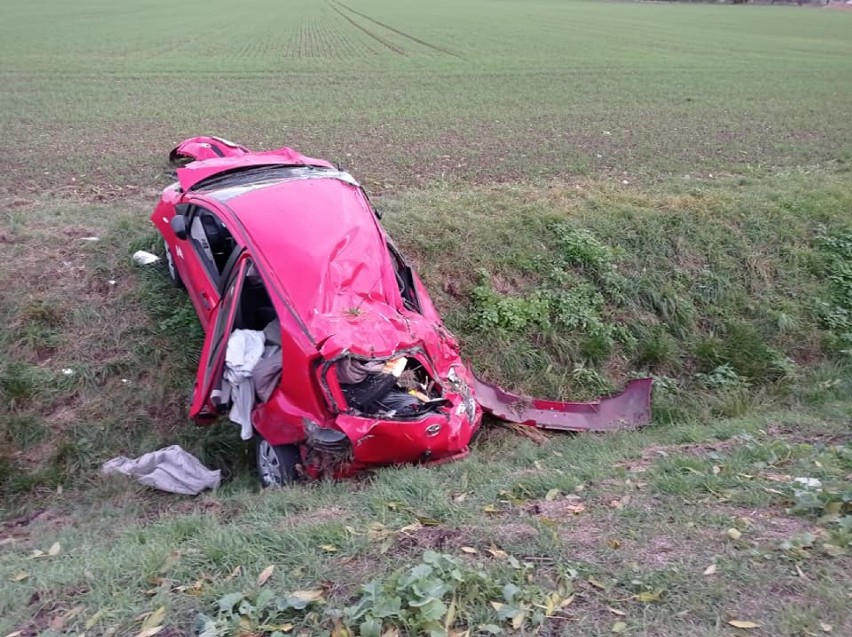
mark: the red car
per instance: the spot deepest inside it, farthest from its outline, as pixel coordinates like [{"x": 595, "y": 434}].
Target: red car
[{"x": 321, "y": 341}]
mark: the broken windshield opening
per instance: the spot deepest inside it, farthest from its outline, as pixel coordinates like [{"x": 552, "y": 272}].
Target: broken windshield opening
[{"x": 263, "y": 174}]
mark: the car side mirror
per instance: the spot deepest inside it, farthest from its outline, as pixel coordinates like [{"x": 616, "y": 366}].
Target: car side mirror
[{"x": 178, "y": 224}]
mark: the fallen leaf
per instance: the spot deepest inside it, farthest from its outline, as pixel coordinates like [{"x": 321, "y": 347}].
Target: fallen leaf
[
  {"x": 307, "y": 596},
  {"x": 619, "y": 627},
  {"x": 826, "y": 628},
  {"x": 777, "y": 477},
  {"x": 597, "y": 584},
  {"x": 734, "y": 534},
  {"x": 265, "y": 574},
  {"x": 716, "y": 469},
  {"x": 20, "y": 576},
  {"x": 461, "y": 497},
  {"x": 284, "y": 628},
  {"x": 340, "y": 630},
  {"x": 647, "y": 596},
  {"x": 469, "y": 549},
  {"x": 425, "y": 520},
  {"x": 615, "y": 611},
  {"x": 551, "y": 495},
  {"x": 329, "y": 548},
  {"x": 235, "y": 573},
  {"x": 155, "y": 619},
  {"x": 497, "y": 552},
  {"x": 614, "y": 544},
  {"x": 17, "y": 633},
  {"x": 739, "y": 623},
  {"x": 410, "y": 528},
  {"x": 710, "y": 570},
  {"x": 149, "y": 632},
  {"x": 567, "y": 601},
  {"x": 54, "y": 549},
  {"x": 497, "y": 606},
  {"x": 518, "y": 620},
  {"x": 490, "y": 508}
]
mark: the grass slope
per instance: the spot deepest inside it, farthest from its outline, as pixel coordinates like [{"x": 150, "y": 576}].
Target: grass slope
[{"x": 628, "y": 522}]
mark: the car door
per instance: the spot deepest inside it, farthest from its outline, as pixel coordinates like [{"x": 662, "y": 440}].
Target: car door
[
  {"x": 204, "y": 268},
  {"x": 212, "y": 363}
]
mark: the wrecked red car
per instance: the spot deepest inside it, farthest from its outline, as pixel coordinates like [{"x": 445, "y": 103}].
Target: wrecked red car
[{"x": 321, "y": 341}]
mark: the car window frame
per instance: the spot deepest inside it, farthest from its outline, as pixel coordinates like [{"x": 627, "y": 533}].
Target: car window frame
[{"x": 217, "y": 279}]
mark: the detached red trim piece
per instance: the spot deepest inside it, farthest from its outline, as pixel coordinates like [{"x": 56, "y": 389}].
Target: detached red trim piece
[{"x": 627, "y": 410}]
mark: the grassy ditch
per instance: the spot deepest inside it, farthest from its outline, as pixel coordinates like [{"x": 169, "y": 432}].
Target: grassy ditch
[
  {"x": 734, "y": 295},
  {"x": 730, "y": 296}
]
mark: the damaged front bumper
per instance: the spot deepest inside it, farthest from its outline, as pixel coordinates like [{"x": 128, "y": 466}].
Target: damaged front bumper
[{"x": 628, "y": 409}]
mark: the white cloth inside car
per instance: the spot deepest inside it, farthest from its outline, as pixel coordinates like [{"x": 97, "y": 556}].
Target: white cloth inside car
[
  {"x": 252, "y": 370},
  {"x": 245, "y": 348}
]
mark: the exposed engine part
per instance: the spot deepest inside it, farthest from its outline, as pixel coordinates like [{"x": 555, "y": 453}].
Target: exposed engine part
[
  {"x": 351, "y": 371},
  {"x": 398, "y": 387},
  {"x": 363, "y": 396}
]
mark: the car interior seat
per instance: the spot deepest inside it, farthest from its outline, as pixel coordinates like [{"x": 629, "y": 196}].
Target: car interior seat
[
  {"x": 219, "y": 239},
  {"x": 254, "y": 310}
]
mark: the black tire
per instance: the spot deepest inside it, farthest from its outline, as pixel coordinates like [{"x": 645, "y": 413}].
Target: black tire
[
  {"x": 277, "y": 465},
  {"x": 174, "y": 275}
]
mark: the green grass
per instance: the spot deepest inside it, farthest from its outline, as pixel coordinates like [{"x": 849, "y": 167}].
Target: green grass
[
  {"x": 654, "y": 519},
  {"x": 96, "y": 92},
  {"x": 591, "y": 191}
]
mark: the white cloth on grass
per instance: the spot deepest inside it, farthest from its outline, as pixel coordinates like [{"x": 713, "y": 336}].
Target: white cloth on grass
[
  {"x": 245, "y": 347},
  {"x": 171, "y": 469}
]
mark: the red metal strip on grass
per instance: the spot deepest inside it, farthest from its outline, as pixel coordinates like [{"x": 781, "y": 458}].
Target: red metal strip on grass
[{"x": 626, "y": 410}]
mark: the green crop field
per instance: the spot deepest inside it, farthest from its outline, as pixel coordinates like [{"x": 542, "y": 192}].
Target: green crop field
[
  {"x": 590, "y": 190},
  {"x": 410, "y": 93}
]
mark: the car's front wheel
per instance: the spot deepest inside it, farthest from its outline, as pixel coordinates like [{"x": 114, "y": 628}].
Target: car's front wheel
[
  {"x": 174, "y": 275},
  {"x": 277, "y": 465}
]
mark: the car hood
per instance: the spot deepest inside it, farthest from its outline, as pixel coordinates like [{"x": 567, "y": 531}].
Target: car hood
[{"x": 331, "y": 261}]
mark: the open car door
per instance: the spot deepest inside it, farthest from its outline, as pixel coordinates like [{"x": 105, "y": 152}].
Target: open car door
[{"x": 211, "y": 366}]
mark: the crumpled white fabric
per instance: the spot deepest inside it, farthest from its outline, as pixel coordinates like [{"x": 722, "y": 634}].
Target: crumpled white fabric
[
  {"x": 170, "y": 469},
  {"x": 245, "y": 347}
]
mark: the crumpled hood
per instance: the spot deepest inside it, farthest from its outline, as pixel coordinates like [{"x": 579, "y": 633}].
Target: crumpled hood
[
  {"x": 379, "y": 330},
  {"x": 332, "y": 260}
]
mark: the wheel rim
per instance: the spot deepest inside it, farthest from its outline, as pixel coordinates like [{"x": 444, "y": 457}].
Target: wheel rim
[
  {"x": 269, "y": 465},
  {"x": 170, "y": 263}
]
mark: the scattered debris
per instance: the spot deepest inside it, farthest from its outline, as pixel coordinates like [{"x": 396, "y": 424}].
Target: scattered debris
[
  {"x": 809, "y": 483},
  {"x": 170, "y": 469},
  {"x": 140, "y": 257}
]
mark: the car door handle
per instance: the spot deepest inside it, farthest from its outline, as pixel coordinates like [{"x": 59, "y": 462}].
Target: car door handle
[{"x": 205, "y": 301}]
